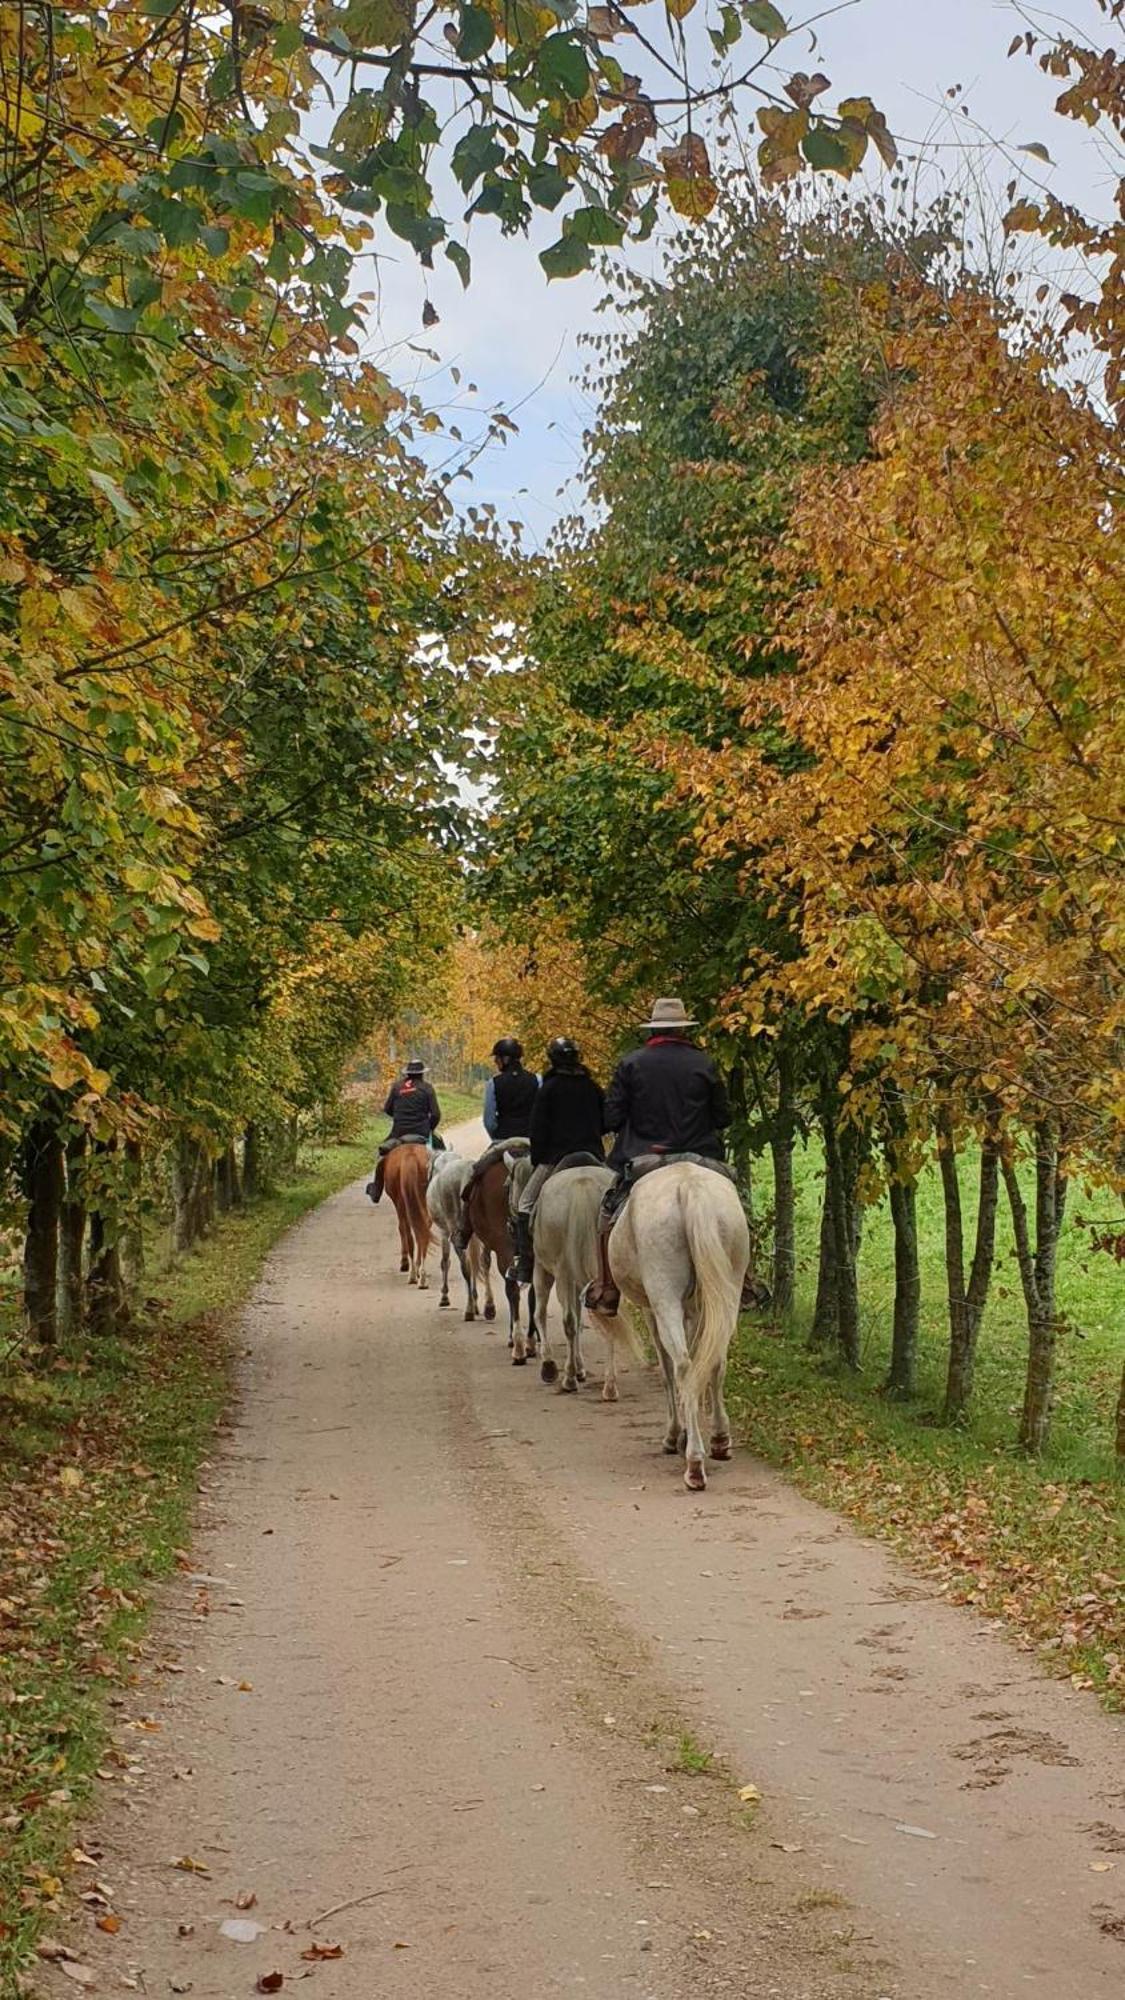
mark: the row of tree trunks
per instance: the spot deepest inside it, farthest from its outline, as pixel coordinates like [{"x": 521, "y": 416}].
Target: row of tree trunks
[
  {"x": 44, "y": 1183},
  {"x": 1037, "y": 1264}
]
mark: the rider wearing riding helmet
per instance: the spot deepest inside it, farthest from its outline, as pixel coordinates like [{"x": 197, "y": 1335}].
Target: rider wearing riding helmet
[
  {"x": 414, "y": 1112},
  {"x": 509, "y": 1095},
  {"x": 568, "y": 1116}
]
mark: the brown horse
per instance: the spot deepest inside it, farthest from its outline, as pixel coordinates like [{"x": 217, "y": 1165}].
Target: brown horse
[
  {"x": 487, "y": 1214},
  {"x": 407, "y": 1172}
]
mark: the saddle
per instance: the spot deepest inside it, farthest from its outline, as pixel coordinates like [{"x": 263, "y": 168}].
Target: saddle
[
  {"x": 646, "y": 1163},
  {"x": 513, "y": 1149},
  {"x": 578, "y": 1160},
  {"x": 403, "y": 1139}
]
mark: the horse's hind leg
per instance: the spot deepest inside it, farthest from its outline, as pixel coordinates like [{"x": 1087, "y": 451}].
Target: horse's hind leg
[
  {"x": 444, "y": 1299},
  {"x": 489, "y": 1301},
  {"x": 572, "y": 1327},
  {"x": 516, "y": 1339},
  {"x": 468, "y": 1262},
  {"x": 404, "y": 1244},
  {"x": 720, "y": 1434},
  {"x": 673, "y": 1440},
  {"x": 548, "y": 1367}
]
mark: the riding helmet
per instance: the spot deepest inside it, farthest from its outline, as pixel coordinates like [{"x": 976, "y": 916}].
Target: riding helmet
[
  {"x": 508, "y": 1047},
  {"x": 562, "y": 1053},
  {"x": 415, "y": 1067}
]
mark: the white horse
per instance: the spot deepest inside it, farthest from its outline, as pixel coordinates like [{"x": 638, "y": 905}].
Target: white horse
[
  {"x": 680, "y": 1251},
  {"x": 448, "y": 1174},
  {"x": 565, "y": 1237}
]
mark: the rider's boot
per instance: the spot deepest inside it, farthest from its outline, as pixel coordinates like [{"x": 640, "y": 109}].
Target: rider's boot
[
  {"x": 525, "y": 1254},
  {"x": 375, "y": 1186},
  {"x": 463, "y": 1233},
  {"x": 602, "y": 1295}
]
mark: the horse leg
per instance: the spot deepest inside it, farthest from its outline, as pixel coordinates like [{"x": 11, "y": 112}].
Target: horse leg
[
  {"x": 486, "y": 1267},
  {"x": 532, "y": 1322},
  {"x": 516, "y": 1339},
  {"x": 468, "y": 1262},
  {"x": 673, "y": 1337},
  {"x": 404, "y": 1244},
  {"x": 720, "y": 1435},
  {"x": 548, "y": 1367},
  {"x": 444, "y": 1299},
  {"x": 572, "y": 1327},
  {"x": 672, "y": 1441}
]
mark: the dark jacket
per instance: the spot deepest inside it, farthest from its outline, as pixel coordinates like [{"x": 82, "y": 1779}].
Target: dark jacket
[
  {"x": 666, "y": 1097},
  {"x": 412, "y": 1106},
  {"x": 568, "y": 1116},
  {"x": 515, "y": 1092}
]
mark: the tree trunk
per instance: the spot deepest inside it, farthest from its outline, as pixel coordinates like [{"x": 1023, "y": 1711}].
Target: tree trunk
[
  {"x": 1120, "y": 1438},
  {"x": 202, "y": 1193},
  {"x": 45, "y": 1187},
  {"x": 106, "y": 1309},
  {"x": 823, "y": 1327},
  {"x": 1037, "y": 1277},
  {"x": 782, "y": 1134},
  {"x": 132, "y": 1236},
  {"x": 251, "y": 1162},
  {"x": 966, "y": 1301},
  {"x": 839, "y": 1186},
  {"x": 902, "y": 1375},
  {"x": 72, "y": 1239},
  {"x": 228, "y": 1193},
  {"x": 183, "y": 1211}
]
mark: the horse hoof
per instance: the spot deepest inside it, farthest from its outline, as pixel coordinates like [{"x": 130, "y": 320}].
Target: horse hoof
[
  {"x": 470, "y": 1318},
  {"x": 443, "y": 1302},
  {"x": 721, "y": 1447},
  {"x": 569, "y": 1387},
  {"x": 519, "y": 1361},
  {"x": 582, "y": 1375},
  {"x": 609, "y": 1392},
  {"x": 490, "y": 1312},
  {"x": 695, "y": 1479},
  {"x": 405, "y": 1265},
  {"x": 671, "y": 1446},
  {"x": 549, "y": 1370}
]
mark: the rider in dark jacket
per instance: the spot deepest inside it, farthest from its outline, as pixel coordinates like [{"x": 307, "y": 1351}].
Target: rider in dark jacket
[
  {"x": 666, "y": 1097},
  {"x": 510, "y": 1094},
  {"x": 568, "y": 1116},
  {"x": 414, "y": 1112}
]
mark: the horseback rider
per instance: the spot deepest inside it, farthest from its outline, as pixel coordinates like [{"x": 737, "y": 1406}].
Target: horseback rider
[
  {"x": 665, "y": 1097},
  {"x": 415, "y": 1114},
  {"x": 568, "y": 1116},
  {"x": 510, "y": 1095}
]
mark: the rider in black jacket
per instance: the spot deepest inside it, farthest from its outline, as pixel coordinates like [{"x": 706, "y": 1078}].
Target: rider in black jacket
[
  {"x": 666, "y": 1097},
  {"x": 414, "y": 1112},
  {"x": 568, "y": 1116}
]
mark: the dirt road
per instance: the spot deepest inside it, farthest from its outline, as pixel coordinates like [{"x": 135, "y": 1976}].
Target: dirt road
[{"x": 466, "y": 1683}]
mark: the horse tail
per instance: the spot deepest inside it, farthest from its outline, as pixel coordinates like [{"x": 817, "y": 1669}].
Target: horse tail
[{"x": 718, "y": 1284}]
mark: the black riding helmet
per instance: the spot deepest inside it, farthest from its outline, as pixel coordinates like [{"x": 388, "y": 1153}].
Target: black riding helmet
[
  {"x": 562, "y": 1053},
  {"x": 507, "y": 1049}
]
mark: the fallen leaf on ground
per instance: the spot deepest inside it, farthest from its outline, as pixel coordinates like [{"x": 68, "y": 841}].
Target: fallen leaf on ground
[
  {"x": 81, "y": 1974},
  {"x": 401, "y": 1945},
  {"x": 788, "y": 1846},
  {"x": 919, "y": 1832},
  {"x": 749, "y": 1794},
  {"x": 316, "y": 1950},
  {"x": 51, "y": 1948},
  {"x": 110, "y": 1922},
  {"x": 1101, "y": 1867},
  {"x": 185, "y": 1930},
  {"x": 190, "y": 1866},
  {"x": 245, "y": 1899},
  {"x": 270, "y": 1982}
]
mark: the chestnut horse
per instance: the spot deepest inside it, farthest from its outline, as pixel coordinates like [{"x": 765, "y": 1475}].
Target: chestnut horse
[
  {"x": 486, "y": 1212},
  {"x": 407, "y": 1172}
]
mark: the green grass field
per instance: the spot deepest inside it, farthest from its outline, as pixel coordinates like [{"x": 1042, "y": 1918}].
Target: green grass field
[{"x": 1040, "y": 1544}]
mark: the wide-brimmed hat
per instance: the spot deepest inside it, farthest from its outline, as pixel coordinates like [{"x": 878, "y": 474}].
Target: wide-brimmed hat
[{"x": 669, "y": 1014}]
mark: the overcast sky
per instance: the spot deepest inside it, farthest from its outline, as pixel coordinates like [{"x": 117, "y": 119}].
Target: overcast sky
[{"x": 516, "y": 336}]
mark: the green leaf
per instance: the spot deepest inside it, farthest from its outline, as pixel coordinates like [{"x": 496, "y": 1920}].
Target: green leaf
[
  {"x": 215, "y": 239},
  {"x": 825, "y": 149},
  {"x": 562, "y": 66},
  {"x": 287, "y": 38},
  {"x": 460, "y": 260},
  {"x": 546, "y": 187},
  {"x": 566, "y": 258},
  {"x": 476, "y": 34},
  {"x": 766, "y": 19},
  {"x": 424, "y": 232},
  {"x": 594, "y": 225},
  {"x": 121, "y": 506},
  {"x": 475, "y": 154}
]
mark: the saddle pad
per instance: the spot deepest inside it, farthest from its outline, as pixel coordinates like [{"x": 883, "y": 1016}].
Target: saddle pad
[
  {"x": 578, "y": 1160},
  {"x": 647, "y": 1163}
]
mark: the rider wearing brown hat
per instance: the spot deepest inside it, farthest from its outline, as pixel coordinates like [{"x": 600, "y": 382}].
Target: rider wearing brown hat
[{"x": 665, "y": 1097}]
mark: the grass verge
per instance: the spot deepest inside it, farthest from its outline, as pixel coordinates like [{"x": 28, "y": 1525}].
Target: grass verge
[
  {"x": 99, "y": 1452},
  {"x": 1039, "y": 1544}
]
